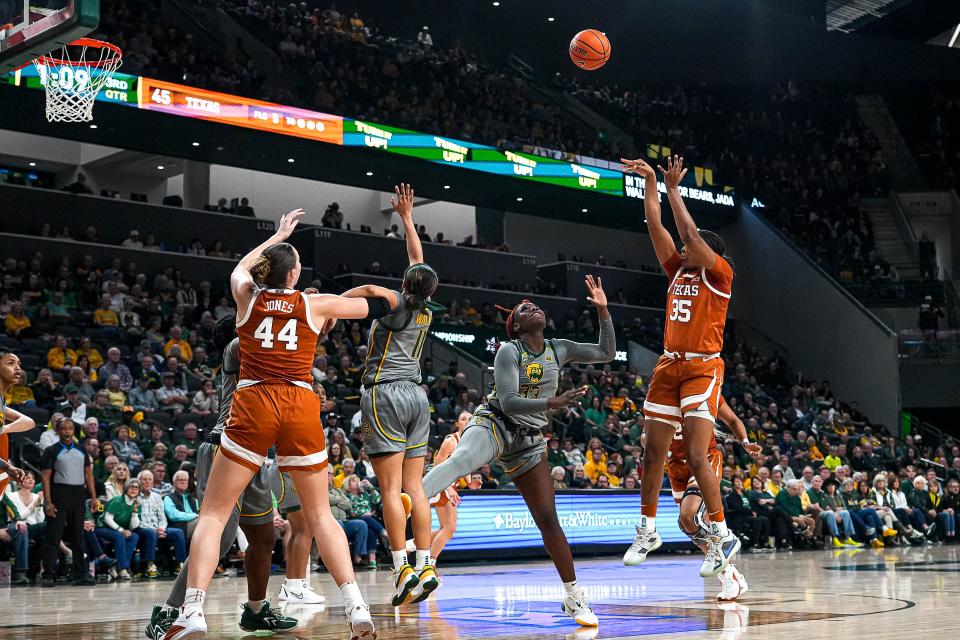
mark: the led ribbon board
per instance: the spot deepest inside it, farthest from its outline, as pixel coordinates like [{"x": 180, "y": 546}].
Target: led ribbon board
[
  {"x": 190, "y": 102},
  {"x": 500, "y": 519}
]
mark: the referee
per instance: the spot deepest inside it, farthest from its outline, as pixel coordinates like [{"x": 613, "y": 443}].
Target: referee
[{"x": 67, "y": 481}]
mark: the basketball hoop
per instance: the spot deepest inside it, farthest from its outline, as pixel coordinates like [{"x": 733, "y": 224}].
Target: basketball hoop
[{"x": 73, "y": 80}]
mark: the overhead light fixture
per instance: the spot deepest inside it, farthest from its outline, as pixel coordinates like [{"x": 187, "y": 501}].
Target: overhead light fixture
[
  {"x": 446, "y": 186},
  {"x": 33, "y": 164},
  {"x": 584, "y": 210},
  {"x": 550, "y": 19},
  {"x": 160, "y": 167},
  {"x": 369, "y": 173},
  {"x": 196, "y": 144},
  {"x": 496, "y": 4},
  {"x": 953, "y": 40},
  {"x": 93, "y": 126},
  {"x": 291, "y": 160},
  {"x": 519, "y": 199}
]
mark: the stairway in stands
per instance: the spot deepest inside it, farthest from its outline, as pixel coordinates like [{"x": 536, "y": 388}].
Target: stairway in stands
[
  {"x": 903, "y": 166},
  {"x": 889, "y": 238}
]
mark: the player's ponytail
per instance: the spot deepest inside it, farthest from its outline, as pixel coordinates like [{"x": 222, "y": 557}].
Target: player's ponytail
[
  {"x": 511, "y": 334},
  {"x": 420, "y": 282},
  {"x": 272, "y": 267}
]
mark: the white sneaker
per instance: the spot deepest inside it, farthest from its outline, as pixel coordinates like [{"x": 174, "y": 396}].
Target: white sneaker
[
  {"x": 719, "y": 552},
  {"x": 188, "y": 626},
  {"x": 577, "y": 607},
  {"x": 294, "y": 596},
  {"x": 734, "y": 584},
  {"x": 645, "y": 542},
  {"x": 361, "y": 623}
]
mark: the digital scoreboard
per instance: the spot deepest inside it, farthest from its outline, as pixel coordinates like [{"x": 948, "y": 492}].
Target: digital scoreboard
[{"x": 191, "y": 102}]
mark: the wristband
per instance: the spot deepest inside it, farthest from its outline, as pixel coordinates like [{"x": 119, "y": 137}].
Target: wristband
[{"x": 745, "y": 442}]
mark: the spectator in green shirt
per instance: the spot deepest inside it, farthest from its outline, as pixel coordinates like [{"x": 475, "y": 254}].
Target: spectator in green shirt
[
  {"x": 118, "y": 522},
  {"x": 789, "y": 501},
  {"x": 831, "y": 515}
]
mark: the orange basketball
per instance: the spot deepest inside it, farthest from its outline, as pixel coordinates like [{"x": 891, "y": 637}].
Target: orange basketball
[{"x": 590, "y": 49}]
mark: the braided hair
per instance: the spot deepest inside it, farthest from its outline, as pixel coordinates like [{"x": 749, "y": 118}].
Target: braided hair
[{"x": 511, "y": 334}]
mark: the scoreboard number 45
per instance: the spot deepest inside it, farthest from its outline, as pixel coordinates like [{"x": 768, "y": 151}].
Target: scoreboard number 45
[{"x": 161, "y": 96}]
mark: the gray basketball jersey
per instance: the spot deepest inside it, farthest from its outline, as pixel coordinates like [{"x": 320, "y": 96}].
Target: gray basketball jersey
[
  {"x": 229, "y": 370},
  {"x": 396, "y": 342},
  {"x": 537, "y": 377}
]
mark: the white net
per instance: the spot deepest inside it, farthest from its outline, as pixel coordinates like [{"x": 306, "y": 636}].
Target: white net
[{"x": 73, "y": 80}]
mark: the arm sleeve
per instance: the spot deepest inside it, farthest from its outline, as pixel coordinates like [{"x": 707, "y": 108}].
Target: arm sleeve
[
  {"x": 110, "y": 521},
  {"x": 605, "y": 350},
  {"x": 170, "y": 510},
  {"x": 507, "y": 378},
  {"x": 134, "y": 521}
]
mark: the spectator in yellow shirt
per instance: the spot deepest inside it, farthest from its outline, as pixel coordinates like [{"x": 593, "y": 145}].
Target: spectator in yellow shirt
[
  {"x": 621, "y": 401},
  {"x": 595, "y": 466},
  {"x": 832, "y": 461},
  {"x": 61, "y": 357},
  {"x": 104, "y": 316},
  {"x": 346, "y": 470},
  {"x": 115, "y": 395},
  {"x": 93, "y": 356},
  {"x": 16, "y": 322},
  {"x": 176, "y": 338},
  {"x": 19, "y": 396}
]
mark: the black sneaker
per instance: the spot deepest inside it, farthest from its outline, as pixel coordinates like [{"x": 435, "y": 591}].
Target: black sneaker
[
  {"x": 19, "y": 579},
  {"x": 160, "y": 621},
  {"x": 47, "y": 581},
  {"x": 86, "y": 580},
  {"x": 267, "y": 620}
]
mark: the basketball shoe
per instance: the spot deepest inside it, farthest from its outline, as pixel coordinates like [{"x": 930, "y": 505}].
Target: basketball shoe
[
  {"x": 576, "y": 606},
  {"x": 646, "y": 541},
  {"x": 734, "y": 584}
]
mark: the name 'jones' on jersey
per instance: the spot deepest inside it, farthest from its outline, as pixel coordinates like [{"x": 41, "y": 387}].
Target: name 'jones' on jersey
[
  {"x": 277, "y": 338},
  {"x": 697, "y": 303}
]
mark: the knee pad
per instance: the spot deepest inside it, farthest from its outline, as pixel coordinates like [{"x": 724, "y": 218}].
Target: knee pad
[{"x": 698, "y": 517}]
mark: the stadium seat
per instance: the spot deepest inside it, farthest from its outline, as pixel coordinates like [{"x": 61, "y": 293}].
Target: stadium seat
[
  {"x": 9, "y": 343},
  {"x": 34, "y": 344},
  {"x": 162, "y": 417}
]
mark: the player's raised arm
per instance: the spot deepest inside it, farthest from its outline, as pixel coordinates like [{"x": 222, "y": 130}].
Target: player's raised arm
[
  {"x": 605, "y": 348},
  {"x": 699, "y": 250},
  {"x": 403, "y": 204},
  {"x": 241, "y": 280},
  {"x": 324, "y": 307},
  {"x": 726, "y": 415},
  {"x": 663, "y": 243},
  {"x": 373, "y": 291}
]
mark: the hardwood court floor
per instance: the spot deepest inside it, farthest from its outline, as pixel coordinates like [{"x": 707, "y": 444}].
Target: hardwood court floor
[{"x": 869, "y": 594}]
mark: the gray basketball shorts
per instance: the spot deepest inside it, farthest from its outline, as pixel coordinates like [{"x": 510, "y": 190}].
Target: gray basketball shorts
[
  {"x": 256, "y": 503},
  {"x": 517, "y": 451},
  {"x": 395, "y": 417},
  {"x": 284, "y": 491}
]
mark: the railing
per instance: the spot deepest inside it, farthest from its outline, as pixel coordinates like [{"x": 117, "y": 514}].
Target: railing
[
  {"x": 904, "y": 226},
  {"x": 943, "y": 345}
]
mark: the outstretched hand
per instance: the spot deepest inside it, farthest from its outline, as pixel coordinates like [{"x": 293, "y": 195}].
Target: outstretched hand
[
  {"x": 674, "y": 172},
  {"x": 596, "y": 295},
  {"x": 566, "y": 398},
  {"x": 639, "y": 167},
  {"x": 403, "y": 200},
  {"x": 288, "y": 222}
]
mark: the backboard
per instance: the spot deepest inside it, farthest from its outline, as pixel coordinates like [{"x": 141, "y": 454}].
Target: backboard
[{"x": 31, "y": 28}]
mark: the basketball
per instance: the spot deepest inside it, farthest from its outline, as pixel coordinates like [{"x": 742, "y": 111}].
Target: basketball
[{"x": 590, "y": 49}]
